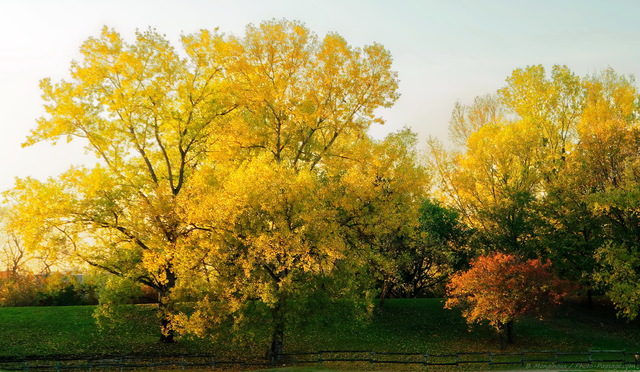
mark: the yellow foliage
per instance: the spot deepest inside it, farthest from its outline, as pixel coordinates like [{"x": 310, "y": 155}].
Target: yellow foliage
[{"x": 232, "y": 173}]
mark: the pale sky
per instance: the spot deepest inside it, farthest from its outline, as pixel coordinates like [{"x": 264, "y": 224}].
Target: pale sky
[{"x": 444, "y": 51}]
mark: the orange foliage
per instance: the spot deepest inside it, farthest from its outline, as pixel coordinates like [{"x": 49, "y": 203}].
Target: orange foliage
[{"x": 498, "y": 288}]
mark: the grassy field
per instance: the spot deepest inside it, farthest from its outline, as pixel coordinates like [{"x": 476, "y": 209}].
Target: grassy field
[{"x": 418, "y": 325}]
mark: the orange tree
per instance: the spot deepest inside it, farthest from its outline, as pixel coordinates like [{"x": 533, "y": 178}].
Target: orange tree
[{"x": 499, "y": 288}]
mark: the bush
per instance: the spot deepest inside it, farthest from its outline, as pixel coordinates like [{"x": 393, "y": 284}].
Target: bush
[
  {"x": 56, "y": 289},
  {"x": 18, "y": 290}
]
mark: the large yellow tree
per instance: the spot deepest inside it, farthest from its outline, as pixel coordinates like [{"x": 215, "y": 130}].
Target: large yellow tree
[
  {"x": 296, "y": 209},
  {"x": 238, "y": 173}
]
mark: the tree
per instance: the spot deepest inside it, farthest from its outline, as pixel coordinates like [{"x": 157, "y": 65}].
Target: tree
[
  {"x": 18, "y": 255},
  {"x": 491, "y": 177},
  {"x": 529, "y": 164},
  {"x": 552, "y": 105},
  {"x": 495, "y": 184},
  {"x": 421, "y": 258},
  {"x": 603, "y": 175},
  {"x": 499, "y": 288},
  {"x": 468, "y": 119},
  {"x": 282, "y": 217},
  {"x": 13, "y": 255},
  {"x": 230, "y": 177},
  {"x": 380, "y": 207},
  {"x": 152, "y": 118}
]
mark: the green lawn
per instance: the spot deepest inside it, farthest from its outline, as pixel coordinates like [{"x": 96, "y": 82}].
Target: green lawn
[
  {"x": 422, "y": 325},
  {"x": 418, "y": 325},
  {"x": 72, "y": 330}
]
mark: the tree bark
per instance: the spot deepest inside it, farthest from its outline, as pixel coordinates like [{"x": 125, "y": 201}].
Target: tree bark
[
  {"x": 501, "y": 327},
  {"x": 383, "y": 292},
  {"x": 510, "y": 332},
  {"x": 277, "y": 337},
  {"x": 505, "y": 333},
  {"x": 165, "y": 307}
]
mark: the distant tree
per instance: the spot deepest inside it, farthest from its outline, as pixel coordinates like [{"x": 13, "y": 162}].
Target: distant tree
[
  {"x": 499, "y": 288},
  {"x": 12, "y": 253},
  {"x": 550, "y": 169},
  {"x": 424, "y": 256}
]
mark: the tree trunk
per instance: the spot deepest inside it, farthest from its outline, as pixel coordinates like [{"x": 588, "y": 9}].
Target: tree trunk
[
  {"x": 277, "y": 337},
  {"x": 510, "y": 332},
  {"x": 501, "y": 328},
  {"x": 590, "y": 298},
  {"x": 165, "y": 307},
  {"x": 383, "y": 292},
  {"x": 168, "y": 334},
  {"x": 505, "y": 333}
]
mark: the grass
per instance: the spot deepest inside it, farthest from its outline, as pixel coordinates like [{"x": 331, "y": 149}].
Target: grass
[
  {"x": 417, "y": 325},
  {"x": 72, "y": 330},
  {"x": 422, "y": 325}
]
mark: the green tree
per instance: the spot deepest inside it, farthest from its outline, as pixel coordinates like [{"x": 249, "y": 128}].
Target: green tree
[
  {"x": 422, "y": 258},
  {"x": 607, "y": 164}
]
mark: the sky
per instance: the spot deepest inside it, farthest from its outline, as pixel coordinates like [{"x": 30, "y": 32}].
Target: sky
[{"x": 444, "y": 51}]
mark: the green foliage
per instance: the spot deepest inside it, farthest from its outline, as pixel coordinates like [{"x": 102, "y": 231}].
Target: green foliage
[
  {"x": 424, "y": 257},
  {"x": 620, "y": 274},
  {"x": 114, "y": 294}
]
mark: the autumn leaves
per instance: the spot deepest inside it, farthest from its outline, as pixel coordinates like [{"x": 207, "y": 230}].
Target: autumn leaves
[
  {"x": 237, "y": 176},
  {"x": 548, "y": 168},
  {"x": 239, "y": 173}
]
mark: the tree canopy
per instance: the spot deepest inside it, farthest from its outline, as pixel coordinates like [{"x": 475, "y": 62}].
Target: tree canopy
[
  {"x": 236, "y": 170},
  {"x": 499, "y": 288},
  {"x": 547, "y": 169},
  {"x": 235, "y": 178}
]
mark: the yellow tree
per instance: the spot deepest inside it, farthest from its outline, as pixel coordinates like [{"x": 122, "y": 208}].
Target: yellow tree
[
  {"x": 495, "y": 183},
  {"x": 553, "y": 105},
  {"x": 380, "y": 205},
  {"x": 606, "y": 168},
  {"x": 558, "y": 169},
  {"x": 512, "y": 150},
  {"x": 152, "y": 118},
  {"x": 240, "y": 168},
  {"x": 285, "y": 238},
  {"x": 468, "y": 119},
  {"x": 305, "y": 170}
]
